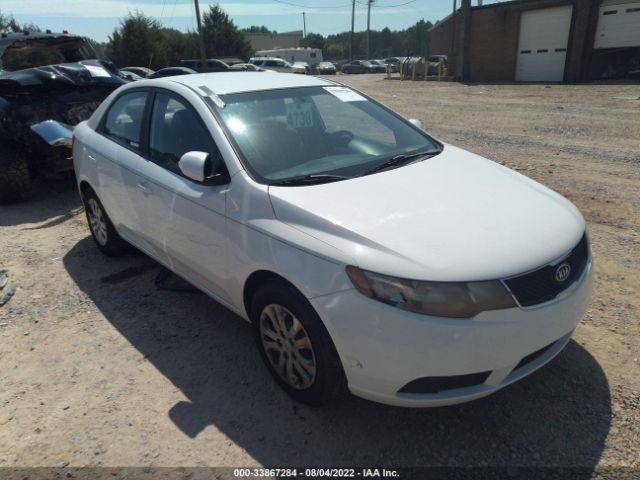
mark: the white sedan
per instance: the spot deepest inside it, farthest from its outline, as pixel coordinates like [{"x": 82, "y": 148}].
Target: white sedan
[{"x": 367, "y": 254}]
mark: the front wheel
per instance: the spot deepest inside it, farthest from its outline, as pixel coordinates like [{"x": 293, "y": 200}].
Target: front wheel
[
  {"x": 102, "y": 230},
  {"x": 295, "y": 345}
]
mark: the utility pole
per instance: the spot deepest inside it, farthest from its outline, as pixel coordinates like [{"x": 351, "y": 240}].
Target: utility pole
[
  {"x": 203, "y": 54},
  {"x": 453, "y": 28},
  {"x": 353, "y": 17},
  {"x": 304, "y": 26},
  {"x": 368, "y": 25}
]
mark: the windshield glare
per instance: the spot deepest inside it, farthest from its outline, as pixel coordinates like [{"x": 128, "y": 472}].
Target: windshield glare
[{"x": 290, "y": 133}]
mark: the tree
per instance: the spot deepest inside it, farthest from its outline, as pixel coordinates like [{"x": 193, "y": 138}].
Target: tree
[
  {"x": 385, "y": 43},
  {"x": 173, "y": 46},
  {"x": 9, "y": 24},
  {"x": 258, "y": 29},
  {"x": 221, "y": 37},
  {"x": 313, "y": 40},
  {"x": 135, "y": 42}
]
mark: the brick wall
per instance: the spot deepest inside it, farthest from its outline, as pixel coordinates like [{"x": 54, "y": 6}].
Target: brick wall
[{"x": 493, "y": 45}]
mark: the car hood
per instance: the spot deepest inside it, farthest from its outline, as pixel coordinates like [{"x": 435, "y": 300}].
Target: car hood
[
  {"x": 453, "y": 217},
  {"x": 83, "y": 73}
]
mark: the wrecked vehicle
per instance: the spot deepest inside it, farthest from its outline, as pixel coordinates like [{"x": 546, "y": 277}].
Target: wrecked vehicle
[{"x": 49, "y": 82}]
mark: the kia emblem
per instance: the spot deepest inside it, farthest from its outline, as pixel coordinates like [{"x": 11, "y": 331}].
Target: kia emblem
[{"x": 562, "y": 272}]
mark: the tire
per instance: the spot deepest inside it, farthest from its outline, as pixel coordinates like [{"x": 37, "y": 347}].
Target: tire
[
  {"x": 103, "y": 232},
  {"x": 15, "y": 179},
  {"x": 324, "y": 380}
]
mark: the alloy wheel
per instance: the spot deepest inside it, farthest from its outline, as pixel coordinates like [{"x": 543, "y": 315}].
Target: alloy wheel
[
  {"x": 97, "y": 221},
  {"x": 287, "y": 346}
]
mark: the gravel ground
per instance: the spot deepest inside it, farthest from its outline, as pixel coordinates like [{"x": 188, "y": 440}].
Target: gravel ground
[{"x": 102, "y": 368}]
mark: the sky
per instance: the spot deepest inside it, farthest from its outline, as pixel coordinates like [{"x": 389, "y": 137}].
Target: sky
[{"x": 98, "y": 18}]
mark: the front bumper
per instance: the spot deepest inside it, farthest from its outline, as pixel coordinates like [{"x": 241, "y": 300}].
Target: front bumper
[{"x": 383, "y": 348}]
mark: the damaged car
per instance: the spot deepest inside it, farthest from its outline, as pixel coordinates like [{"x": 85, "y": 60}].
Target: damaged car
[{"x": 49, "y": 82}]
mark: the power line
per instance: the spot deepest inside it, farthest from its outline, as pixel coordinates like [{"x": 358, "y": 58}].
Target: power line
[
  {"x": 393, "y": 6},
  {"x": 310, "y": 6}
]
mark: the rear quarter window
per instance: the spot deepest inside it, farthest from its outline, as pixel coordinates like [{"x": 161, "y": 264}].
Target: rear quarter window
[{"x": 123, "y": 121}]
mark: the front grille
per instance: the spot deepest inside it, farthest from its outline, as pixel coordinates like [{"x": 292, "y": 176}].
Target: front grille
[
  {"x": 541, "y": 285},
  {"x": 439, "y": 384}
]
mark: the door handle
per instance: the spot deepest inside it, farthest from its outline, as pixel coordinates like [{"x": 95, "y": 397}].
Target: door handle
[
  {"x": 146, "y": 190},
  {"x": 91, "y": 157}
]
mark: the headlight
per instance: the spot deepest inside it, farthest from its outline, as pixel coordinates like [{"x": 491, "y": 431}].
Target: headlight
[{"x": 441, "y": 299}]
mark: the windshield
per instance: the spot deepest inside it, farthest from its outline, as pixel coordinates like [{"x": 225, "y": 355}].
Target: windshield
[{"x": 292, "y": 133}]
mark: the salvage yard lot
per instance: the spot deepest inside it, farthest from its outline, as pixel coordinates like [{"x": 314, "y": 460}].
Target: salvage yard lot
[{"x": 100, "y": 367}]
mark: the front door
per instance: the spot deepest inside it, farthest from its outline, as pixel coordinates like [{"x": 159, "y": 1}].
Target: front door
[{"x": 185, "y": 219}]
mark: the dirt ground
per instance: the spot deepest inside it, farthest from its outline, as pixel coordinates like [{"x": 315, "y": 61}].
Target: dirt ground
[{"x": 100, "y": 367}]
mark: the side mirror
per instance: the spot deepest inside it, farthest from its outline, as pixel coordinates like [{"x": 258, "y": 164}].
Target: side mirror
[
  {"x": 198, "y": 167},
  {"x": 417, "y": 123}
]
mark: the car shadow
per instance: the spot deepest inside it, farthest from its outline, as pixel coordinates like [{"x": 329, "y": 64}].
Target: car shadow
[
  {"x": 54, "y": 201},
  {"x": 559, "y": 416}
]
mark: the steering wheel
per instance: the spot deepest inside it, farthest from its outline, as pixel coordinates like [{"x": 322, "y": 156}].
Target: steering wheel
[{"x": 342, "y": 137}]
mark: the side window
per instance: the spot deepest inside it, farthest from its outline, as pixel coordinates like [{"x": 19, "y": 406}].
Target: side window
[
  {"x": 124, "y": 118},
  {"x": 175, "y": 130},
  {"x": 271, "y": 63}
]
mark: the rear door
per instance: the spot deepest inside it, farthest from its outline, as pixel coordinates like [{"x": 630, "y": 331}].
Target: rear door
[{"x": 115, "y": 150}]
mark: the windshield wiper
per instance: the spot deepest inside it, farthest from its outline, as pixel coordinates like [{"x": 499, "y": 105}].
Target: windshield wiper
[
  {"x": 400, "y": 159},
  {"x": 311, "y": 179}
]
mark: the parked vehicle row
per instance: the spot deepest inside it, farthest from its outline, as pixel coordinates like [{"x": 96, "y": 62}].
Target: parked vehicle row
[
  {"x": 326, "y": 68},
  {"x": 364, "y": 66},
  {"x": 276, "y": 64}
]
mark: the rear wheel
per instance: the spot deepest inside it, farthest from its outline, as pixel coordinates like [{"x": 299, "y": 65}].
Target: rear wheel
[
  {"x": 15, "y": 180},
  {"x": 295, "y": 345},
  {"x": 102, "y": 230}
]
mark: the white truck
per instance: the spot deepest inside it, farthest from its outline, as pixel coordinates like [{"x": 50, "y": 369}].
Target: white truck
[{"x": 312, "y": 56}]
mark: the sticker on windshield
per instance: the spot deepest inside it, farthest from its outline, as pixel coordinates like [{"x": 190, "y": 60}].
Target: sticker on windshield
[
  {"x": 299, "y": 115},
  {"x": 97, "y": 71},
  {"x": 345, "y": 94}
]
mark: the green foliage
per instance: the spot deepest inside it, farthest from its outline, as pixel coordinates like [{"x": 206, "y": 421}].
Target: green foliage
[
  {"x": 136, "y": 42},
  {"x": 9, "y": 24},
  {"x": 258, "y": 29},
  {"x": 385, "y": 43},
  {"x": 221, "y": 37},
  {"x": 313, "y": 40},
  {"x": 143, "y": 41}
]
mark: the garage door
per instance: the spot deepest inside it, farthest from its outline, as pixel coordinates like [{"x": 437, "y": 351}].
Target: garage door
[
  {"x": 542, "y": 47},
  {"x": 618, "y": 25}
]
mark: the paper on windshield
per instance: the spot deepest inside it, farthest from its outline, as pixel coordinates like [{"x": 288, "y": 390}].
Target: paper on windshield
[
  {"x": 299, "y": 115},
  {"x": 345, "y": 94},
  {"x": 96, "y": 71}
]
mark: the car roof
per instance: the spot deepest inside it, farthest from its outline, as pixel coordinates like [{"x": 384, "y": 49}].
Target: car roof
[
  {"x": 236, "y": 82},
  {"x": 11, "y": 38},
  {"x": 267, "y": 58}
]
